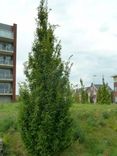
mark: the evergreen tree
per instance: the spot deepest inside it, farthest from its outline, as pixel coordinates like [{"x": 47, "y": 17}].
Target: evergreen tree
[
  {"x": 44, "y": 117},
  {"x": 104, "y": 95}
]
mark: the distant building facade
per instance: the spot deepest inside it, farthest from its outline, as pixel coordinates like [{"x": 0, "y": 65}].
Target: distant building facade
[
  {"x": 92, "y": 93},
  {"x": 115, "y": 89},
  {"x": 93, "y": 90},
  {"x": 8, "y": 38}
]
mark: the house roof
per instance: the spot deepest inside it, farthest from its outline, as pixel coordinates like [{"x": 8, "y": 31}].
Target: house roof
[
  {"x": 99, "y": 85},
  {"x": 95, "y": 85}
]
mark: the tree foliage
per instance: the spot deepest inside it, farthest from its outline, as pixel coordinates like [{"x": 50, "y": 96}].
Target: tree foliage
[
  {"x": 83, "y": 93},
  {"x": 103, "y": 94},
  {"x": 76, "y": 96},
  {"x": 44, "y": 117}
]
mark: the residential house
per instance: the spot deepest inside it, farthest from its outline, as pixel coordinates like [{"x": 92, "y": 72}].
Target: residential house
[{"x": 92, "y": 92}]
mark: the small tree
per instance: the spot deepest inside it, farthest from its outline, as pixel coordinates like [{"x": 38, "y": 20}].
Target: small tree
[
  {"x": 76, "y": 96},
  {"x": 104, "y": 95},
  {"x": 44, "y": 118},
  {"x": 83, "y": 93}
]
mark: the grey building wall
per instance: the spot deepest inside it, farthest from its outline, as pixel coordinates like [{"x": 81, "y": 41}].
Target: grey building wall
[{"x": 5, "y": 99}]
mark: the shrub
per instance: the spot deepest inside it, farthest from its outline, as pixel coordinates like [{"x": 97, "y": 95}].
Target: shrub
[{"x": 106, "y": 115}]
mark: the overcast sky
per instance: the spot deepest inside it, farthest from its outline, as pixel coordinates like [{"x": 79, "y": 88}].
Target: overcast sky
[{"x": 88, "y": 30}]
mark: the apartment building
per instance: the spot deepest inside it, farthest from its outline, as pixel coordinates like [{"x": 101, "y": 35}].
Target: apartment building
[{"x": 8, "y": 37}]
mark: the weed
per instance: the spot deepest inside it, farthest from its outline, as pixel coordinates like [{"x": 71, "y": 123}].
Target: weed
[{"x": 106, "y": 115}]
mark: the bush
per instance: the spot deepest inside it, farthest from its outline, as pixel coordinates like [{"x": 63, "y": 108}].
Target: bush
[
  {"x": 79, "y": 135},
  {"x": 106, "y": 115}
]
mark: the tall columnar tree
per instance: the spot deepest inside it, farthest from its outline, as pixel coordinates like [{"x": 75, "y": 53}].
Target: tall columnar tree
[
  {"x": 83, "y": 93},
  {"x": 103, "y": 94},
  {"x": 44, "y": 117}
]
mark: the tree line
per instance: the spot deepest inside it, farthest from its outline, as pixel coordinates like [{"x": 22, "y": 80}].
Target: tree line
[{"x": 102, "y": 96}]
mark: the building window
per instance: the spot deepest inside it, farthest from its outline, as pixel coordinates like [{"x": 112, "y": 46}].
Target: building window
[
  {"x": 6, "y": 60},
  {"x": 6, "y": 46},
  {"x": 5, "y": 88},
  {"x": 115, "y": 89},
  {"x": 1, "y": 60},
  {"x": 115, "y": 99},
  {"x": 6, "y": 74},
  {"x": 6, "y": 33}
]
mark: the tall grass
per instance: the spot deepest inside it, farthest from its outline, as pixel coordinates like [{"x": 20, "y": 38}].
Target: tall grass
[{"x": 94, "y": 130}]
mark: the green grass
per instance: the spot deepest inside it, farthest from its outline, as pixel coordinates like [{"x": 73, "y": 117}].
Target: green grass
[
  {"x": 94, "y": 130},
  {"x": 9, "y": 130},
  {"x": 8, "y": 116}
]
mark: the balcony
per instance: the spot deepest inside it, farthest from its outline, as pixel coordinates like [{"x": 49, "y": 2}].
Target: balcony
[
  {"x": 6, "y": 47},
  {"x": 6, "y": 78},
  {"x": 6, "y": 63},
  {"x": 6, "y": 91},
  {"x": 6, "y": 50},
  {"x": 6, "y": 35}
]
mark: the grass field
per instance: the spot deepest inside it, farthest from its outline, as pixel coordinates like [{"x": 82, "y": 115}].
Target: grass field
[
  {"x": 9, "y": 130},
  {"x": 94, "y": 129}
]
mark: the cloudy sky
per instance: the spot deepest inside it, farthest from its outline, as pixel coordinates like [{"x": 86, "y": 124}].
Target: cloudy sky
[{"x": 87, "y": 29}]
